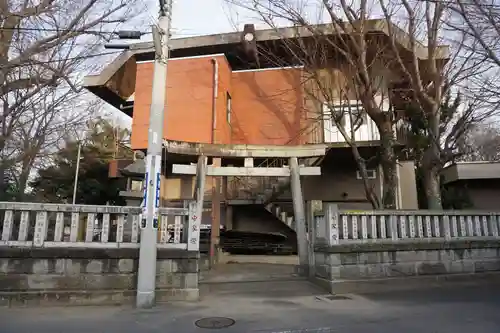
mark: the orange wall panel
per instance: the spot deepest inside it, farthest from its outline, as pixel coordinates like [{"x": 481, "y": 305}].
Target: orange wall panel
[
  {"x": 222, "y": 126},
  {"x": 267, "y": 106},
  {"x": 189, "y": 100}
]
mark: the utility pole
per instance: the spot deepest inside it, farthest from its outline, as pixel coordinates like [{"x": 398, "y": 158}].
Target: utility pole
[
  {"x": 75, "y": 186},
  {"x": 149, "y": 224}
]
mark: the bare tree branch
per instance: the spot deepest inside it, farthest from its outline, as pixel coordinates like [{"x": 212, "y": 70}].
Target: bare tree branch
[{"x": 43, "y": 50}]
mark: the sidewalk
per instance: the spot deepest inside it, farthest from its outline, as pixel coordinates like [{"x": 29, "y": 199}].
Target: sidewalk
[{"x": 444, "y": 310}]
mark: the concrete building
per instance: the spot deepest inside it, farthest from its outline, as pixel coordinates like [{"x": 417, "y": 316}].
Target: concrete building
[
  {"x": 221, "y": 96},
  {"x": 477, "y": 182}
]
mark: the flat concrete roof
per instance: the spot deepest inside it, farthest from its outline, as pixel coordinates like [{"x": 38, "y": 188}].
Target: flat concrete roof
[
  {"x": 471, "y": 171},
  {"x": 116, "y": 82}
]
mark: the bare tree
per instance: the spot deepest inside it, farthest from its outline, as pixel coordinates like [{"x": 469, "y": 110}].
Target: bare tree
[
  {"x": 436, "y": 74},
  {"x": 479, "y": 20},
  {"x": 44, "y": 48},
  {"x": 482, "y": 143},
  {"x": 346, "y": 44},
  {"x": 41, "y": 130},
  {"x": 428, "y": 72},
  {"x": 331, "y": 95}
]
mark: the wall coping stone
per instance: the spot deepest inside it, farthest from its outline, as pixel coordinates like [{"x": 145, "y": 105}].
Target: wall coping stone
[
  {"x": 40, "y": 298},
  {"x": 412, "y": 245},
  {"x": 91, "y": 253}
]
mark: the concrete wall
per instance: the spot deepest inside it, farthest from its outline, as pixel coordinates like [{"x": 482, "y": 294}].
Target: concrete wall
[
  {"x": 482, "y": 193},
  {"x": 485, "y": 198},
  {"x": 90, "y": 276},
  {"x": 338, "y": 183},
  {"x": 403, "y": 260},
  {"x": 408, "y": 184}
]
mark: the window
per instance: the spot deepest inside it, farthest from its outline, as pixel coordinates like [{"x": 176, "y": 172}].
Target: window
[
  {"x": 228, "y": 108},
  {"x": 370, "y": 173}
]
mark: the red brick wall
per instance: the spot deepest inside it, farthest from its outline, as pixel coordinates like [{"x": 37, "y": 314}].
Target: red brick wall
[
  {"x": 267, "y": 106},
  {"x": 189, "y": 100}
]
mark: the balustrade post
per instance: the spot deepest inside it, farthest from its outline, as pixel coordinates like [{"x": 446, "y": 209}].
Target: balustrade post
[
  {"x": 331, "y": 224},
  {"x": 394, "y": 226},
  {"x": 40, "y": 229},
  {"x": 7, "y": 225}
]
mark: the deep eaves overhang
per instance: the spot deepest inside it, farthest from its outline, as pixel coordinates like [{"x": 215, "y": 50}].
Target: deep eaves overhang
[
  {"x": 471, "y": 171},
  {"x": 116, "y": 82}
]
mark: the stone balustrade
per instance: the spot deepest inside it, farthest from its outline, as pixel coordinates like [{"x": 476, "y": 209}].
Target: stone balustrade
[
  {"x": 83, "y": 226},
  {"x": 348, "y": 227},
  {"x": 396, "y": 249}
]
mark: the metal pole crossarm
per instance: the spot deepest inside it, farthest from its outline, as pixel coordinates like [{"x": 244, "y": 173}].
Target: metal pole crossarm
[
  {"x": 146, "y": 279},
  {"x": 129, "y": 34},
  {"x": 117, "y": 46}
]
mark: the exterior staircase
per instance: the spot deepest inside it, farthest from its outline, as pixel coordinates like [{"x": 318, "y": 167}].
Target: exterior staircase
[
  {"x": 282, "y": 213},
  {"x": 272, "y": 192}
]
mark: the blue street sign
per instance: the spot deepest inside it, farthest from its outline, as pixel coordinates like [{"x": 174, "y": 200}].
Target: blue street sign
[
  {"x": 157, "y": 198},
  {"x": 145, "y": 191}
]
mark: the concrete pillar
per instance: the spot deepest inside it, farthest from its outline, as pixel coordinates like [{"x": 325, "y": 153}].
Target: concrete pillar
[
  {"x": 408, "y": 185},
  {"x": 229, "y": 217},
  {"x": 299, "y": 215},
  {"x": 398, "y": 193},
  {"x": 215, "y": 230},
  {"x": 224, "y": 190}
]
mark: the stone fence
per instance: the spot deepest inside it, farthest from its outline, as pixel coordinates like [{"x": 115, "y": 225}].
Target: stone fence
[
  {"x": 82, "y": 254},
  {"x": 404, "y": 246},
  {"x": 78, "y": 276}
]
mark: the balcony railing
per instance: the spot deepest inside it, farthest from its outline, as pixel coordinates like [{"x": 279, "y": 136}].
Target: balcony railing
[{"x": 367, "y": 132}]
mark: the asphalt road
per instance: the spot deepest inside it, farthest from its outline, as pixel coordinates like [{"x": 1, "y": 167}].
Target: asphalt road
[{"x": 297, "y": 308}]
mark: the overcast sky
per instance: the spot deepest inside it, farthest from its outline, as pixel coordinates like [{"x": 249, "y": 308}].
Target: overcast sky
[
  {"x": 202, "y": 17},
  {"x": 199, "y": 17}
]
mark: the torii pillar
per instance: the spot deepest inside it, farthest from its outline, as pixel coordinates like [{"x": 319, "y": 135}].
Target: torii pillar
[{"x": 300, "y": 215}]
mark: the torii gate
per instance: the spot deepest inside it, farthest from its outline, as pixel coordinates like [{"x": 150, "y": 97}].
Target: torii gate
[{"x": 248, "y": 152}]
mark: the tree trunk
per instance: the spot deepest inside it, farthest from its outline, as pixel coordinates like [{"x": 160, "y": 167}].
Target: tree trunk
[
  {"x": 389, "y": 165},
  {"x": 23, "y": 181},
  {"x": 26, "y": 168},
  {"x": 431, "y": 178},
  {"x": 432, "y": 188},
  {"x": 3, "y": 184}
]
